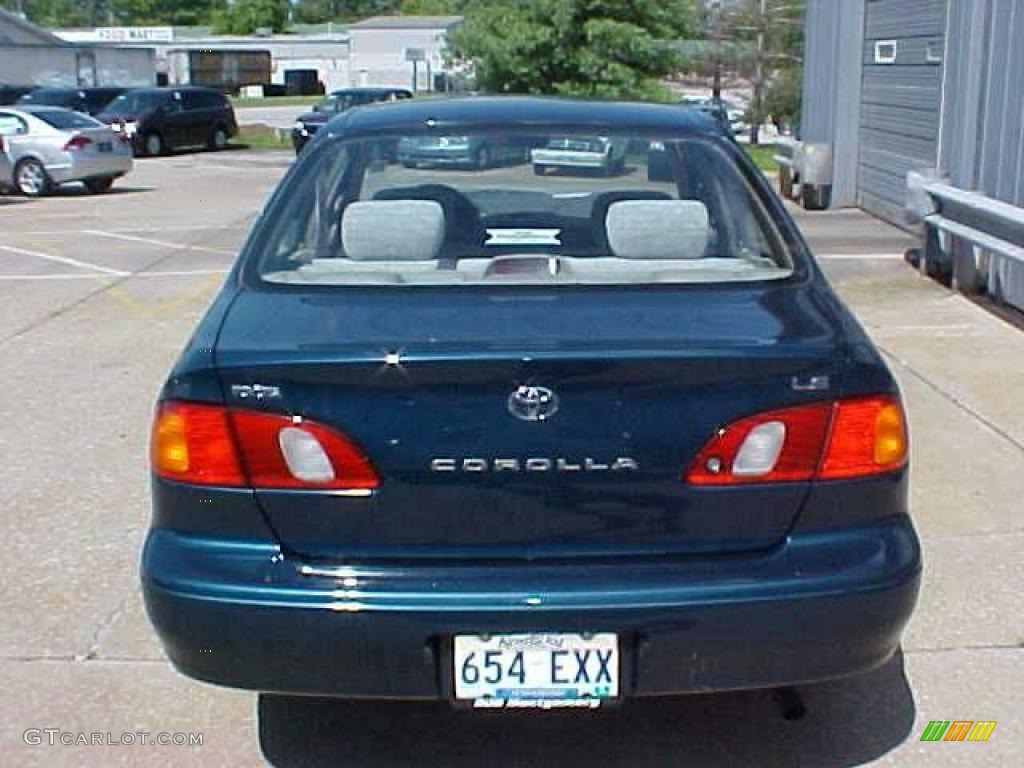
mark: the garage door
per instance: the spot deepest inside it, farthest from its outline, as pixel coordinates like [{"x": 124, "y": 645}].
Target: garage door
[{"x": 900, "y": 99}]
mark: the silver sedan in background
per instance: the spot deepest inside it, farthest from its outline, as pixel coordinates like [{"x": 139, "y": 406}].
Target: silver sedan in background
[{"x": 42, "y": 147}]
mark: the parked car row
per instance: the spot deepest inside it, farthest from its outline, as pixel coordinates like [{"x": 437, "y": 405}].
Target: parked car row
[
  {"x": 42, "y": 147},
  {"x": 336, "y": 102},
  {"x": 155, "y": 120},
  {"x": 53, "y": 136},
  {"x": 89, "y": 101},
  {"x": 158, "y": 120}
]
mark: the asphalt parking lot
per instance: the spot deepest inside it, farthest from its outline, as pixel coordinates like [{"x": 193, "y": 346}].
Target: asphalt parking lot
[{"x": 99, "y": 293}]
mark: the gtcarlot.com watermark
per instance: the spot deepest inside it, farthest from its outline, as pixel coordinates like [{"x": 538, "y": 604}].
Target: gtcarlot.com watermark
[{"x": 58, "y": 737}]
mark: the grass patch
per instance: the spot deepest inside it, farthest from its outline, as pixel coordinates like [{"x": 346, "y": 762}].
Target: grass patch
[
  {"x": 262, "y": 137},
  {"x": 762, "y": 155},
  {"x": 275, "y": 101}
]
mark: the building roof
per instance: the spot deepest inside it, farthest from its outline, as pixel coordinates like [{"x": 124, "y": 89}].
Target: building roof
[
  {"x": 8, "y": 19},
  {"x": 407, "y": 22}
]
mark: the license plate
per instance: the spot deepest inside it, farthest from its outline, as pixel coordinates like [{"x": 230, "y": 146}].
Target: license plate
[
  {"x": 105, "y": 146},
  {"x": 536, "y": 670}
]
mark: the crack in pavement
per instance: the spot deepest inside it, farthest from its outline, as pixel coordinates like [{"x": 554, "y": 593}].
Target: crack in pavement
[
  {"x": 953, "y": 399},
  {"x": 94, "y": 640}
]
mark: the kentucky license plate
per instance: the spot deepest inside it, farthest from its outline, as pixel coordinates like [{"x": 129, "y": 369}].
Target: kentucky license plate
[{"x": 537, "y": 670}]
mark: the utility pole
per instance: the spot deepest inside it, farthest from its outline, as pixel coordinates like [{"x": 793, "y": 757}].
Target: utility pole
[
  {"x": 716, "y": 36},
  {"x": 758, "y": 111}
]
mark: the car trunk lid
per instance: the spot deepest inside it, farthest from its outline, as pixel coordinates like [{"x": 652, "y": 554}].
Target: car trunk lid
[{"x": 530, "y": 425}]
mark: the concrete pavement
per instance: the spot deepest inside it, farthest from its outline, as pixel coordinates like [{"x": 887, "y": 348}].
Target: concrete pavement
[{"x": 97, "y": 295}]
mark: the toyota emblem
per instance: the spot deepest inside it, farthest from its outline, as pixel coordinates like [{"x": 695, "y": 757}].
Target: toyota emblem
[{"x": 530, "y": 403}]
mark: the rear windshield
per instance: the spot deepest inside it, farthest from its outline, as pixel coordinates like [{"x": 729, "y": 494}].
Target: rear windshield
[
  {"x": 66, "y": 120},
  {"x": 133, "y": 103},
  {"x": 577, "y": 207}
]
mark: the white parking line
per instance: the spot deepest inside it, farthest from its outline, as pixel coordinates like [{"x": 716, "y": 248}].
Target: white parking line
[
  {"x": 86, "y": 276},
  {"x": 182, "y": 273},
  {"x": 158, "y": 243},
  {"x": 64, "y": 260},
  {"x": 128, "y": 230},
  {"x": 61, "y": 276}
]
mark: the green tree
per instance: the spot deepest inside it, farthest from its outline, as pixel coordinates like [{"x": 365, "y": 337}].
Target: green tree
[
  {"x": 429, "y": 7},
  {"x": 243, "y": 17},
  {"x": 165, "y": 12},
  {"x": 783, "y": 95},
  {"x": 95, "y": 13},
  {"x": 59, "y": 13},
  {"x": 592, "y": 48},
  {"x": 318, "y": 11},
  {"x": 775, "y": 31}
]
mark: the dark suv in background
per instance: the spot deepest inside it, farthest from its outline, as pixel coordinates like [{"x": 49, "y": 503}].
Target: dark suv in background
[
  {"x": 9, "y": 94},
  {"x": 307, "y": 124},
  {"x": 91, "y": 101},
  {"x": 158, "y": 120}
]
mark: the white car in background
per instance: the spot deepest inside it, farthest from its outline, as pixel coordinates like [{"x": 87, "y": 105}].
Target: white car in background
[
  {"x": 598, "y": 153},
  {"x": 42, "y": 147}
]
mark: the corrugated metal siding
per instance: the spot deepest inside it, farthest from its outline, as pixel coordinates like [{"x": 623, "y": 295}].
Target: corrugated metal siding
[
  {"x": 983, "y": 113},
  {"x": 832, "y": 83},
  {"x": 1002, "y": 134},
  {"x": 982, "y": 141},
  {"x": 900, "y": 102}
]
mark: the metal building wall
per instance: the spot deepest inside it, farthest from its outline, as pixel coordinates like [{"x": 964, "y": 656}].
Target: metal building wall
[
  {"x": 832, "y": 87},
  {"x": 982, "y": 138},
  {"x": 901, "y": 100},
  {"x": 982, "y": 144}
]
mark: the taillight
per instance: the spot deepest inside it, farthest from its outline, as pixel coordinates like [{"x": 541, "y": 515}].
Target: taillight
[
  {"x": 824, "y": 441},
  {"x": 212, "y": 445},
  {"x": 288, "y": 452},
  {"x": 192, "y": 443},
  {"x": 77, "y": 143},
  {"x": 869, "y": 436}
]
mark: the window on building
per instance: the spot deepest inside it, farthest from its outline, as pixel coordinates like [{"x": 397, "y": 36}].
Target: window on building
[{"x": 885, "y": 51}]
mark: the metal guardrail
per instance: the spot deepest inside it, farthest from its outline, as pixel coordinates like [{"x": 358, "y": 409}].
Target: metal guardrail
[{"x": 964, "y": 232}]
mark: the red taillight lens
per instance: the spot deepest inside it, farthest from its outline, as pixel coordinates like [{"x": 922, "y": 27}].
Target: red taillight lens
[
  {"x": 869, "y": 436},
  {"x": 77, "y": 143},
  {"x": 193, "y": 444},
  {"x": 797, "y": 450},
  {"x": 196, "y": 444},
  {"x": 825, "y": 441},
  {"x": 281, "y": 452}
]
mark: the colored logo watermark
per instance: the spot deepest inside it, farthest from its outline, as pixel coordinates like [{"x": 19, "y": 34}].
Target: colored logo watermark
[{"x": 958, "y": 730}]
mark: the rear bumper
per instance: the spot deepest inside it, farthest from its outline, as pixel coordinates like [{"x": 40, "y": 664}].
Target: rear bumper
[
  {"x": 821, "y": 606},
  {"x": 75, "y": 166}
]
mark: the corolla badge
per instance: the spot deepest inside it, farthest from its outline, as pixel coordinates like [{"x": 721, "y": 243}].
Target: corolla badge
[{"x": 531, "y": 403}]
